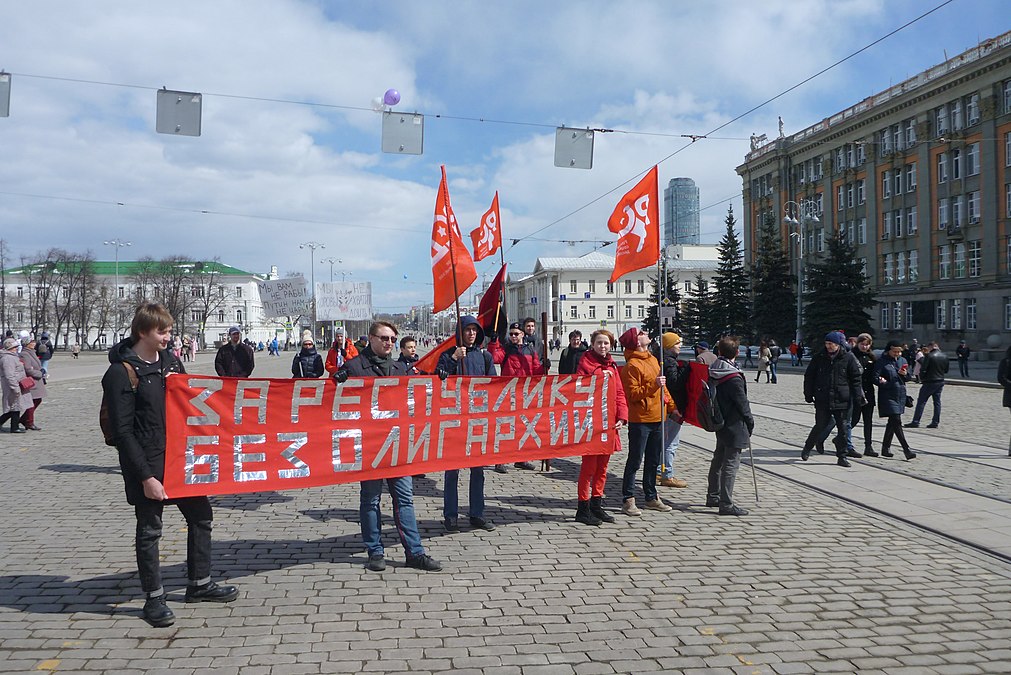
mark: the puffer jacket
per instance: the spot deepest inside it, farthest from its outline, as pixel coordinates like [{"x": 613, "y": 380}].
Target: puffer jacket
[
  {"x": 645, "y": 397},
  {"x": 891, "y": 392},
  {"x": 138, "y": 418},
  {"x": 338, "y": 355},
  {"x": 516, "y": 360},
  {"x": 12, "y": 371},
  {"x": 592, "y": 364},
  {"x": 33, "y": 368},
  {"x": 833, "y": 381},
  {"x": 307, "y": 363},
  {"x": 477, "y": 362}
]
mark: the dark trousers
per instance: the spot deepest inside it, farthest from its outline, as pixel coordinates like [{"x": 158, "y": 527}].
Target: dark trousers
[
  {"x": 894, "y": 428},
  {"x": 867, "y": 413},
  {"x": 823, "y": 417},
  {"x": 643, "y": 442},
  {"x": 13, "y": 416},
  {"x": 929, "y": 390},
  {"x": 197, "y": 512},
  {"x": 723, "y": 473},
  {"x": 963, "y": 367}
]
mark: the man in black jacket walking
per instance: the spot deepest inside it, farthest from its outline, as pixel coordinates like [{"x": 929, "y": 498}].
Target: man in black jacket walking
[
  {"x": 932, "y": 372},
  {"x": 832, "y": 382},
  {"x": 234, "y": 358},
  {"x": 738, "y": 423}
]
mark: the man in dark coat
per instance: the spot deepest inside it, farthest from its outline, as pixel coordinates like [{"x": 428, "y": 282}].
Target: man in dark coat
[
  {"x": 571, "y": 355},
  {"x": 832, "y": 382},
  {"x": 469, "y": 360},
  {"x": 376, "y": 360},
  {"x": 932, "y": 372},
  {"x": 738, "y": 423},
  {"x": 963, "y": 352},
  {"x": 234, "y": 358}
]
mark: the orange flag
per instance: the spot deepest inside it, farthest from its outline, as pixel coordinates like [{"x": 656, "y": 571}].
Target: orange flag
[
  {"x": 636, "y": 221},
  {"x": 487, "y": 237},
  {"x": 452, "y": 267}
]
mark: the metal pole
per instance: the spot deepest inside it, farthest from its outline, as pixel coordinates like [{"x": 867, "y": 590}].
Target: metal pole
[
  {"x": 117, "y": 244},
  {"x": 754, "y": 476},
  {"x": 312, "y": 246}
]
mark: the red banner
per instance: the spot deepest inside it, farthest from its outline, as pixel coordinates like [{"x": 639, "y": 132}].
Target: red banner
[
  {"x": 231, "y": 435},
  {"x": 636, "y": 221}
]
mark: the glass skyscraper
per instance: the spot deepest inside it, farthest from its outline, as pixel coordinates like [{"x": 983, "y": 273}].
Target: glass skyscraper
[{"x": 681, "y": 212}]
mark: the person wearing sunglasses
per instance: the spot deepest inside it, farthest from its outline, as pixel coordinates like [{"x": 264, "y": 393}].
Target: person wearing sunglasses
[
  {"x": 518, "y": 358},
  {"x": 376, "y": 360}
]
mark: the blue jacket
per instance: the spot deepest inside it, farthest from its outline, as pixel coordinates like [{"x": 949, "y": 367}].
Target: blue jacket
[
  {"x": 477, "y": 363},
  {"x": 891, "y": 394}
]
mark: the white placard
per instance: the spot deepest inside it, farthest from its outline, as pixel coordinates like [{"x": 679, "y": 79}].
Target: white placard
[
  {"x": 284, "y": 297},
  {"x": 344, "y": 301}
]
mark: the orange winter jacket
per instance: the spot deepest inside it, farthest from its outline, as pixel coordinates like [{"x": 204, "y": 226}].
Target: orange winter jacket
[
  {"x": 638, "y": 378},
  {"x": 331, "y": 356}
]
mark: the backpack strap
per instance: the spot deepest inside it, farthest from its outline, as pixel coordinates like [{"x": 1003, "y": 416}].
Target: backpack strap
[{"x": 131, "y": 373}]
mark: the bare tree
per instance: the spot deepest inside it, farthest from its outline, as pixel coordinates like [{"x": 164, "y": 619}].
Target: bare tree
[{"x": 208, "y": 293}]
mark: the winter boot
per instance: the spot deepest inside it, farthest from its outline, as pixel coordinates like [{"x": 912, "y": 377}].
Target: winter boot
[
  {"x": 583, "y": 514},
  {"x": 597, "y": 510}
]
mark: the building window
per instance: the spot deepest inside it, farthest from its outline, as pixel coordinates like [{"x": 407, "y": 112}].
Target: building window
[
  {"x": 942, "y": 167},
  {"x": 1007, "y": 96},
  {"x": 641, "y": 286},
  {"x": 642, "y": 311},
  {"x": 885, "y": 315},
  {"x": 972, "y": 159},
  {"x": 972, "y": 109},
  {"x": 956, "y": 315},
  {"x": 238, "y": 316},
  {"x": 593, "y": 285},
  {"x": 821, "y": 241},
  {"x": 610, "y": 287},
  {"x": 970, "y": 314},
  {"x": 973, "y": 204},
  {"x": 1007, "y": 313},
  {"x": 911, "y": 220},
  {"x": 886, "y": 224},
  {"x": 861, "y": 197},
  {"x": 861, "y": 153},
  {"x": 956, "y": 164},
  {"x": 819, "y": 202},
  {"x": 897, "y": 222},
  {"x": 238, "y": 292},
  {"x": 849, "y": 195},
  {"x": 941, "y": 120},
  {"x": 221, "y": 316},
  {"x": 122, "y": 292},
  {"x": 897, "y": 315},
  {"x": 688, "y": 284},
  {"x": 572, "y": 286},
  {"x": 21, "y": 316},
  {"x": 887, "y": 265},
  {"x": 956, "y": 115},
  {"x": 628, "y": 311},
  {"x": 910, "y": 132},
  {"x": 975, "y": 258},
  {"x": 897, "y": 136},
  {"x": 839, "y": 198},
  {"x": 573, "y": 312},
  {"x": 957, "y": 210},
  {"x": 942, "y": 213},
  {"x": 897, "y": 177},
  {"x": 900, "y": 267},
  {"x": 941, "y": 314},
  {"x": 195, "y": 315},
  {"x": 960, "y": 260},
  {"x": 221, "y": 291},
  {"x": 592, "y": 312},
  {"x": 909, "y": 314},
  {"x": 886, "y": 185},
  {"x": 1007, "y": 149},
  {"x": 944, "y": 262},
  {"x": 610, "y": 311},
  {"x": 196, "y": 291},
  {"x": 911, "y": 177},
  {"x": 862, "y": 231},
  {"x": 628, "y": 286},
  {"x": 1007, "y": 199}
]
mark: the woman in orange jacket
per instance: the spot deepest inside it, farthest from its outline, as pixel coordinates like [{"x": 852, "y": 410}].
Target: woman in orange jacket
[{"x": 343, "y": 350}]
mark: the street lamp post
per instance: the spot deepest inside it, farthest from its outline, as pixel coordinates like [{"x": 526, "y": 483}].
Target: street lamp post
[
  {"x": 332, "y": 261},
  {"x": 312, "y": 246},
  {"x": 117, "y": 244},
  {"x": 797, "y": 215}
]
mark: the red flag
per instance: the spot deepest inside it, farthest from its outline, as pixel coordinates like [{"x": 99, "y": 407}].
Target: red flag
[
  {"x": 487, "y": 237},
  {"x": 636, "y": 221},
  {"x": 450, "y": 257},
  {"x": 490, "y": 315}
]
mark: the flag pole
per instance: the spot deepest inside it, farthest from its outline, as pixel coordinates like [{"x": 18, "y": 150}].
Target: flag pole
[
  {"x": 501, "y": 292},
  {"x": 452, "y": 264},
  {"x": 663, "y": 393}
]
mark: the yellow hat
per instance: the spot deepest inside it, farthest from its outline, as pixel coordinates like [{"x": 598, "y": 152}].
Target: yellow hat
[{"x": 671, "y": 340}]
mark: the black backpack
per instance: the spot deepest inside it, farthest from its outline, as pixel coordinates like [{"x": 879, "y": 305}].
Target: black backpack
[{"x": 103, "y": 412}]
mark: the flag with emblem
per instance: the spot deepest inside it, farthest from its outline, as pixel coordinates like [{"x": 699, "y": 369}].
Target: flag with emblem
[
  {"x": 452, "y": 267},
  {"x": 487, "y": 237},
  {"x": 636, "y": 221}
]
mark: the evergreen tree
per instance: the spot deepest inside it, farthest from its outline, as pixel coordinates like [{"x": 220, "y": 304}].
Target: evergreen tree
[
  {"x": 697, "y": 314},
  {"x": 731, "y": 306},
  {"x": 652, "y": 324},
  {"x": 836, "y": 293},
  {"x": 775, "y": 287}
]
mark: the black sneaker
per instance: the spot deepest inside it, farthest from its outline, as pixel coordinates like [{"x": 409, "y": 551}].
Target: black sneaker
[
  {"x": 842, "y": 461},
  {"x": 501, "y": 468},
  {"x": 157, "y": 613},
  {"x": 211, "y": 592},
  {"x": 911, "y": 425},
  {"x": 529, "y": 466},
  {"x": 887, "y": 453},
  {"x": 481, "y": 524},
  {"x": 377, "y": 563},
  {"x": 869, "y": 452},
  {"x": 712, "y": 502},
  {"x": 931, "y": 426},
  {"x": 424, "y": 562},
  {"x": 909, "y": 454},
  {"x": 853, "y": 453},
  {"x": 734, "y": 511},
  {"x": 451, "y": 524}
]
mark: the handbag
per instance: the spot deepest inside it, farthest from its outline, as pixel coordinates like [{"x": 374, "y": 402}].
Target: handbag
[
  {"x": 909, "y": 401},
  {"x": 27, "y": 384}
]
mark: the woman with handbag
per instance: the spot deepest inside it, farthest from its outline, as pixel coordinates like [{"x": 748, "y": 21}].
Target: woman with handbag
[
  {"x": 892, "y": 397},
  {"x": 33, "y": 368},
  {"x": 16, "y": 385}
]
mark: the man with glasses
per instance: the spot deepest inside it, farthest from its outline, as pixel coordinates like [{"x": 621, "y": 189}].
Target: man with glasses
[
  {"x": 519, "y": 358},
  {"x": 376, "y": 360}
]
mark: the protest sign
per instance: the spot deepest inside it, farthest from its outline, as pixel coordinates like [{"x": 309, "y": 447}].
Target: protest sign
[
  {"x": 344, "y": 301},
  {"x": 284, "y": 297}
]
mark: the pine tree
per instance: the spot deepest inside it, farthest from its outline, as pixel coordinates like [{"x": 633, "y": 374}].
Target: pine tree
[
  {"x": 731, "y": 308},
  {"x": 775, "y": 287},
  {"x": 652, "y": 324},
  {"x": 836, "y": 293},
  {"x": 697, "y": 313}
]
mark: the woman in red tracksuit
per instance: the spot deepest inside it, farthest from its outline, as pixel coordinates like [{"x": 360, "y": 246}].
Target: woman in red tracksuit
[{"x": 593, "y": 473}]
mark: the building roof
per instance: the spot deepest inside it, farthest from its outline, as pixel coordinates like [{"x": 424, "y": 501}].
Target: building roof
[
  {"x": 131, "y": 267},
  {"x": 596, "y": 261}
]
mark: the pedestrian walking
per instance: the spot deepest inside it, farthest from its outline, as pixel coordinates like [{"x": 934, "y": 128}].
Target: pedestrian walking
[
  {"x": 75, "y": 350},
  {"x": 933, "y": 368},
  {"x": 675, "y": 374},
  {"x": 868, "y": 381},
  {"x": 467, "y": 359},
  {"x": 186, "y": 348},
  {"x": 774, "y": 353},
  {"x": 962, "y": 353},
  {"x": 234, "y": 358},
  {"x": 645, "y": 393},
  {"x": 892, "y": 373},
  {"x": 137, "y": 415},
  {"x": 17, "y": 398},
  {"x": 1004, "y": 377},
  {"x": 764, "y": 356},
  {"x": 593, "y": 468},
  {"x": 33, "y": 369},
  {"x": 794, "y": 350},
  {"x": 44, "y": 350},
  {"x": 748, "y": 351},
  {"x": 735, "y": 436},
  {"x": 832, "y": 383}
]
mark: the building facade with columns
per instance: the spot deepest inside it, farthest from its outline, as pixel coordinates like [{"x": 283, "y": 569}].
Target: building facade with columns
[{"x": 918, "y": 179}]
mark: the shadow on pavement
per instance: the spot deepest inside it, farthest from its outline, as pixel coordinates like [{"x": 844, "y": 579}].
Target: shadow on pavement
[
  {"x": 250, "y": 501},
  {"x": 81, "y": 468}
]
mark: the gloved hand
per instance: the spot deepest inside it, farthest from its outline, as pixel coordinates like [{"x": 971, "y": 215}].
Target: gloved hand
[
  {"x": 751, "y": 425},
  {"x": 442, "y": 373},
  {"x": 341, "y": 376},
  {"x": 809, "y": 399}
]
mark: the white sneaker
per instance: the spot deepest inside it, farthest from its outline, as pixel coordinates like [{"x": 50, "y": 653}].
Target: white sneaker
[
  {"x": 629, "y": 508},
  {"x": 658, "y": 505}
]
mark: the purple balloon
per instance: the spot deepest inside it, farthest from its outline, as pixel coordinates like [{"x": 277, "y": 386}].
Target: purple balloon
[{"x": 391, "y": 97}]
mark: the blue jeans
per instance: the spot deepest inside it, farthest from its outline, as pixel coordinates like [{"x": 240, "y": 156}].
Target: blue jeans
[
  {"x": 451, "y": 495},
  {"x": 402, "y": 492},
  {"x": 672, "y": 431},
  {"x": 772, "y": 371},
  {"x": 929, "y": 390},
  {"x": 643, "y": 441},
  {"x": 45, "y": 366}
]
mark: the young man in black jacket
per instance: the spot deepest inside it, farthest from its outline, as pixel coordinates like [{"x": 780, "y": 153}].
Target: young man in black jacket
[
  {"x": 569, "y": 359},
  {"x": 932, "y": 372},
  {"x": 234, "y": 358},
  {"x": 832, "y": 382},
  {"x": 735, "y": 436},
  {"x": 137, "y": 414}
]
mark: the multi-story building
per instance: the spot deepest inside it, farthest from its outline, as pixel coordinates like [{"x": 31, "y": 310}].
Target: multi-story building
[
  {"x": 95, "y": 309},
  {"x": 681, "y": 212},
  {"x": 918, "y": 178},
  {"x": 576, "y": 293}
]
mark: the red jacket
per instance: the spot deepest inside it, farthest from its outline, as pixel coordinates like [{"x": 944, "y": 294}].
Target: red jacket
[
  {"x": 592, "y": 364},
  {"x": 516, "y": 360},
  {"x": 331, "y": 356}
]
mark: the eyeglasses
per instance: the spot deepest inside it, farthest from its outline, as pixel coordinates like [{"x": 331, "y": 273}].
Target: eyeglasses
[
  {"x": 515, "y": 334},
  {"x": 386, "y": 338}
]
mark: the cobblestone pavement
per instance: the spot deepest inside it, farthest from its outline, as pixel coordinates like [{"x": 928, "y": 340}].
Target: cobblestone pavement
[{"x": 805, "y": 584}]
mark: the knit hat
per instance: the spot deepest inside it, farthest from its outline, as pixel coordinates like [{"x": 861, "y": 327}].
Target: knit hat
[
  {"x": 670, "y": 340},
  {"x": 630, "y": 338},
  {"x": 702, "y": 344},
  {"x": 836, "y": 337},
  {"x": 865, "y": 337},
  {"x": 233, "y": 329},
  {"x": 307, "y": 336},
  {"x": 339, "y": 330},
  {"x": 27, "y": 340}
]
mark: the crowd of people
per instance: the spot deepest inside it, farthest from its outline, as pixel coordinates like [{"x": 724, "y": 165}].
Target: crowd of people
[{"x": 24, "y": 369}]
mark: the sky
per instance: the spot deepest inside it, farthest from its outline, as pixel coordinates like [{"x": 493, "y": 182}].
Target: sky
[{"x": 290, "y": 145}]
